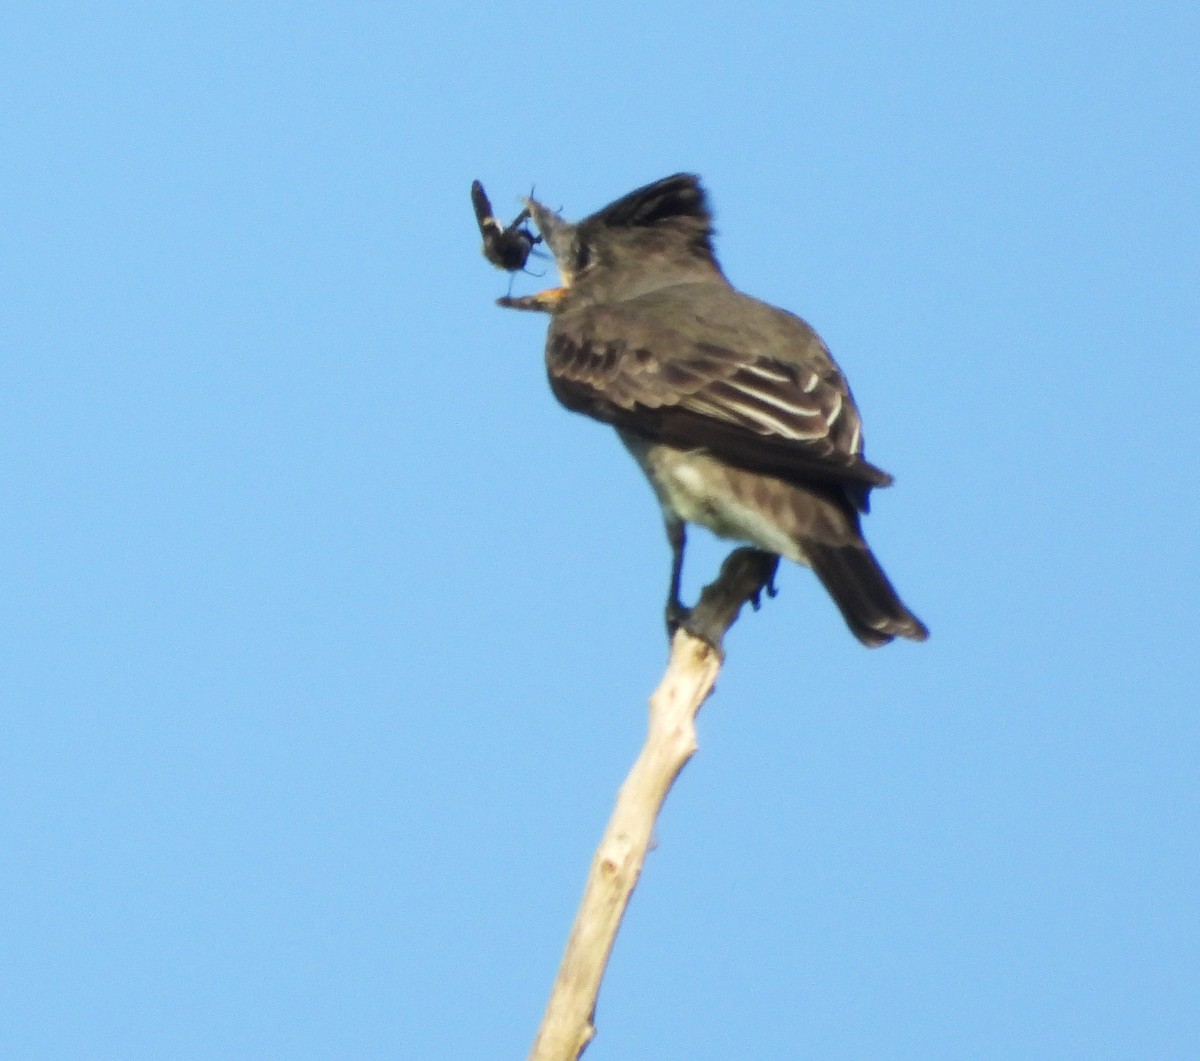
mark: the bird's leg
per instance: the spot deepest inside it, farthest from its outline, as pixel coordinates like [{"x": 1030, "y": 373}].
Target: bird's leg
[{"x": 677, "y": 613}]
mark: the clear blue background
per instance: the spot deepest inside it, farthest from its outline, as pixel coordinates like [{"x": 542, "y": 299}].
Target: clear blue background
[{"x": 327, "y": 634}]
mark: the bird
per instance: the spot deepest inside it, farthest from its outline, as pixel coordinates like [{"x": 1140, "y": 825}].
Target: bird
[{"x": 735, "y": 409}]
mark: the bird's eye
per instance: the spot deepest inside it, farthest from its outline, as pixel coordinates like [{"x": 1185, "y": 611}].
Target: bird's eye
[{"x": 583, "y": 257}]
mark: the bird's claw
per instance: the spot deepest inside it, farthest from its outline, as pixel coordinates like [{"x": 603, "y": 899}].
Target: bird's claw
[
  {"x": 768, "y": 587},
  {"x": 677, "y": 616}
]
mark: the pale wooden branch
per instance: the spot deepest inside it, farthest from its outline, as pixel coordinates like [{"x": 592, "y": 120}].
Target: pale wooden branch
[{"x": 567, "y": 1026}]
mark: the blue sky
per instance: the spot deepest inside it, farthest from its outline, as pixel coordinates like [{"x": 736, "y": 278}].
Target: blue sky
[{"x": 328, "y": 633}]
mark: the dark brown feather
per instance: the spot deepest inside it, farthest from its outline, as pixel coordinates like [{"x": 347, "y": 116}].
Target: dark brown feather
[
  {"x": 863, "y": 593},
  {"x": 706, "y": 399}
]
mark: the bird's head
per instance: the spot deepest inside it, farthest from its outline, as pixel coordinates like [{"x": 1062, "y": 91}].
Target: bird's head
[{"x": 654, "y": 237}]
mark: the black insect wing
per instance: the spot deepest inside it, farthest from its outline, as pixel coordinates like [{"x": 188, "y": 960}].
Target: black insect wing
[{"x": 506, "y": 247}]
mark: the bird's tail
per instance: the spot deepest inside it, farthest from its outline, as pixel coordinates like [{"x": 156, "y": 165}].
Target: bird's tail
[{"x": 864, "y": 595}]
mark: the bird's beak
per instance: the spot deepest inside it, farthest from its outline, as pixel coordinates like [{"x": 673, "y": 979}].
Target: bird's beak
[
  {"x": 555, "y": 231},
  {"x": 558, "y": 235},
  {"x": 543, "y": 302}
]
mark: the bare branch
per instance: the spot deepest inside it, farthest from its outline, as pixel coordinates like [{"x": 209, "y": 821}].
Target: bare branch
[{"x": 692, "y": 669}]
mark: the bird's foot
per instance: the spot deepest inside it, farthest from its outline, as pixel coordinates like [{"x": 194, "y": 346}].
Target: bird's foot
[
  {"x": 699, "y": 622},
  {"x": 677, "y": 615},
  {"x": 768, "y": 585}
]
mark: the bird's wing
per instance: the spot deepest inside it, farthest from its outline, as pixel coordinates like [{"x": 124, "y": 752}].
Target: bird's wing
[{"x": 792, "y": 419}]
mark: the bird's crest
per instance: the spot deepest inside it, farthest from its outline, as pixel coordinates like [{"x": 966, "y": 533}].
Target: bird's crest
[{"x": 673, "y": 198}]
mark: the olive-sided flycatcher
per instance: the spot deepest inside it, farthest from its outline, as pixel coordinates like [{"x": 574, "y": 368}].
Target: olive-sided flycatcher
[{"x": 734, "y": 409}]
